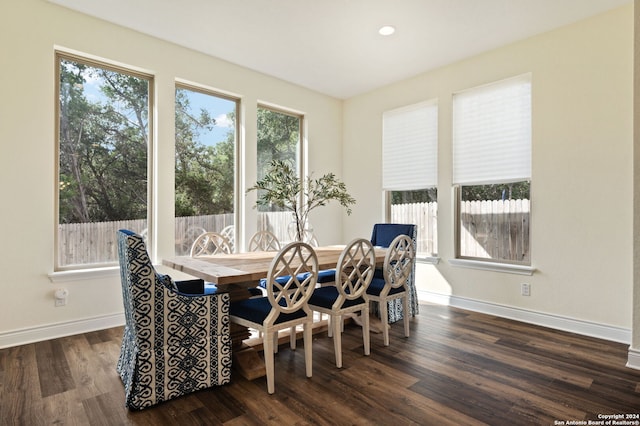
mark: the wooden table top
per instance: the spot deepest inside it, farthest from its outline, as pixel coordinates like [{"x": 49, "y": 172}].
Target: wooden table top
[{"x": 248, "y": 267}]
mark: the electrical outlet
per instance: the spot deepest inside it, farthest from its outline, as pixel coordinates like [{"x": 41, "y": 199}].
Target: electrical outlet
[
  {"x": 60, "y": 297},
  {"x": 525, "y": 289}
]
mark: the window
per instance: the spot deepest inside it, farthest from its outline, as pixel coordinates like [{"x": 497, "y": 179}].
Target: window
[
  {"x": 205, "y": 165},
  {"x": 279, "y": 136},
  {"x": 410, "y": 170},
  {"x": 492, "y": 170},
  {"x": 103, "y": 138}
]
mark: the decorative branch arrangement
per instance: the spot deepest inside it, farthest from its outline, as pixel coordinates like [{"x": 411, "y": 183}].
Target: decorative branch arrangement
[{"x": 282, "y": 187}]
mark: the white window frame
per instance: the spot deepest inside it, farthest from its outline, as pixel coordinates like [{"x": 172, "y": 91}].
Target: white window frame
[
  {"x": 410, "y": 153},
  {"x": 179, "y": 84},
  {"x": 301, "y": 150},
  {"x": 483, "y": 137},
  {"x": 82, "y": 271}
]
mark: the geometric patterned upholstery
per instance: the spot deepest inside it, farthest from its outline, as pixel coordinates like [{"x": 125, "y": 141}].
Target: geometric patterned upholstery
[
  {"x": 383, "y": 234},
  {"x": 173, "y": 344}
]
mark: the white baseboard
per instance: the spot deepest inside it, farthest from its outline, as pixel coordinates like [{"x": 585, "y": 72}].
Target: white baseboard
[
  {"x": 587, "y": 328},
  {"x": 606, "y": 332},
  {"x": 633, "y": 361},
  {"x": 52, "y": 331}
]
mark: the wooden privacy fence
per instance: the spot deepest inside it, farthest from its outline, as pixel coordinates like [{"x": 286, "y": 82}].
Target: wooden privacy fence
[
  {"x": 490, "y": 229},
  {"x": 425, "y": 217},
  {"x": 96, "y": 242},
  {"x": 495, "y": 229}
]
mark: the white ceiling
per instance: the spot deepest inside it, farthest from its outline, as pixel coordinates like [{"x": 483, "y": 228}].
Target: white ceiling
[{"x": 332, "y": 46}]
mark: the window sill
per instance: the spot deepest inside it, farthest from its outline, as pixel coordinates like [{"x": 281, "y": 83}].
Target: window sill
[
  {"x": 83, "y": 274},
  {"x": 493, "y": 266},
  {"x": 428, "y": 259}
]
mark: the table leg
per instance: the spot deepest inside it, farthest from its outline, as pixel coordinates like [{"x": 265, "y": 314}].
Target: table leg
[{"x": 246, "y": 360}]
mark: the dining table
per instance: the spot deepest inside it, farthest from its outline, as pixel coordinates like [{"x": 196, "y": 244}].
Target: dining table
[{"x": 235, "y": 273}]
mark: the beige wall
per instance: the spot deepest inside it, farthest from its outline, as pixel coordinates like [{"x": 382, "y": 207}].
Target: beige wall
[
  {"x": 582, "y": 162},
  {"x": 581, "y": 240},
  {"x": 29, "y": 32}
]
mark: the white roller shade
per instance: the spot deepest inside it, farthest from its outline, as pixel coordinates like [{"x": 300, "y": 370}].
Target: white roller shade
[
  {"x": 410, "y": 147},
  {"x": 492, "y": 132}
]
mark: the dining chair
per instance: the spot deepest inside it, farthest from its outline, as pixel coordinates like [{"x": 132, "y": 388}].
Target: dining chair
[
  {"x": 173, "y": 344},
  {"x": 284, "y": 306},
  {"x": 382, "y": 236},
  {"x": 354, "y": 272},
  {"x": 229, "y": 232},
  {"x": 264, "y": 241},
  {"x": 214, "y": 243},
  {"x": 210, "y": 243},
  {"x": 398, "y": 265},
  {"x": 308, "y": 235}
]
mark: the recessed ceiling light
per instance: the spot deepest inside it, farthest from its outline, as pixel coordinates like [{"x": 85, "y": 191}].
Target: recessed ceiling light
[{"x": 387, "y": 30}]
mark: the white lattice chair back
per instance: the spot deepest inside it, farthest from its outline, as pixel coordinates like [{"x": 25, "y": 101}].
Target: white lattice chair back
[
  {"x": 355, "y": 269},
  {"x": 298, "y": 262},
  {"x": 229, "y": 232},
  {"x": 210, "y": 243},
  {"x": 264, "y": 241},
  {"x": 399, "y": 260}
]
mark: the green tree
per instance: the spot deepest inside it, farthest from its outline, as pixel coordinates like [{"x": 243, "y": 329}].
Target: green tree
[
  {"x": 278, "y": 139},
  {"x": 103, "y": 145},
  {"x": 104, "y": 150},
  {"x": 419, "y": 196},
  {"x": 502, "y": 191},
  {"x": 204, "y": 174}
]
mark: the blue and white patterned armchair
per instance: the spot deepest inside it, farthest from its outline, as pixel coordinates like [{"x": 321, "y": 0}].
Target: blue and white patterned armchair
[{"x": 173, "y": 343}]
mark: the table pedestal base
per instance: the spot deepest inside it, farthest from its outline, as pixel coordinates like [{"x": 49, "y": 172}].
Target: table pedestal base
[{"x": 248, "y": 363}]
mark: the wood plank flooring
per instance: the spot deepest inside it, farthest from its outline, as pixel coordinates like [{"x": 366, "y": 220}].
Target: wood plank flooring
[{"x": 457, "y": 368}]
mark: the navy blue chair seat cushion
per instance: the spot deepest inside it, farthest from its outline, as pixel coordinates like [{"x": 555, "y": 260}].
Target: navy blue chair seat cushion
[
  {"x": 282, "y": 280},
  {"x": 199, "y": 287},
  {"x": 210, "y": 288},
  {"x": 255, "y": 291},
  {"x": 257, "y": 309},
  {"x": 190, "y": 286},
  {"x": 325, "y": 297},
  {"x": 378, "y": 273},
  {"x": 326, "y": 276},
  {"x": 377, "y": 284}
]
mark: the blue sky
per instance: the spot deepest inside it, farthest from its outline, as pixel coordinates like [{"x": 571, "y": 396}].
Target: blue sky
[{"x": 217, "y": 108}]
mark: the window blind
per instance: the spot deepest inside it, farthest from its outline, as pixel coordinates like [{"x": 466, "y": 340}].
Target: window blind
[
  {"x": 492, "y": 132},
  {"x": 410, "y": 147}
]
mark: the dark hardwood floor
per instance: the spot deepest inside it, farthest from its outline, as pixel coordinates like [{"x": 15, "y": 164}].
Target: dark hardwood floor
[{"x": 458, "y": 368}]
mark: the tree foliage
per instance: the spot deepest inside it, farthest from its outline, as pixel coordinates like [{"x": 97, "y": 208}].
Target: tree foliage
[
  {"x": 103, "y": 157},
  {"x": 204, "y": 174},
  {"x": 501, "y": 191},
  {"x": 103, "y": 146},
  {"x": 428, "y": 195},
  {"x": 278, "y": 139},
  {"x": 104, "y": 150}
]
